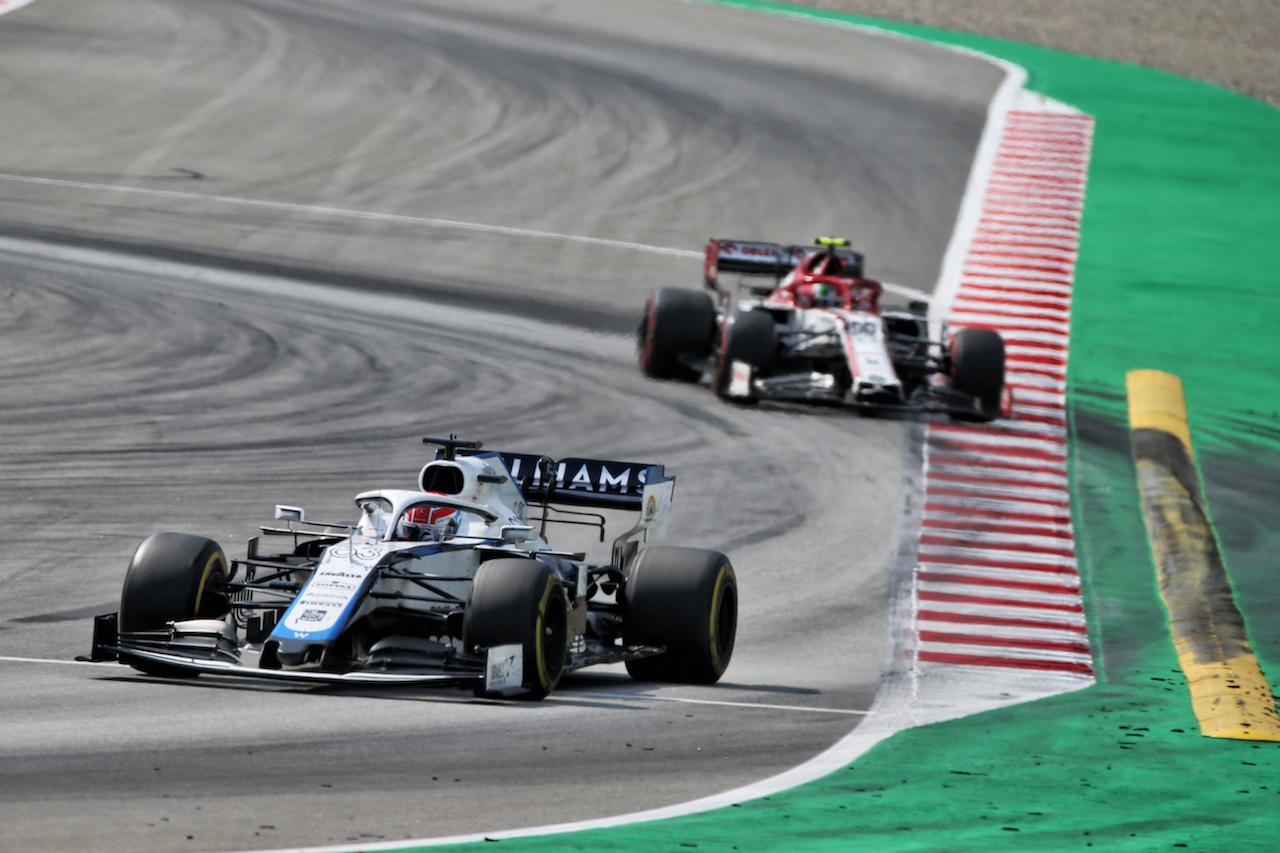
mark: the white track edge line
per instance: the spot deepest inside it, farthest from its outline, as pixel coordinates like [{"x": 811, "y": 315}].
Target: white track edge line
[{"x": 631, "y": 697}]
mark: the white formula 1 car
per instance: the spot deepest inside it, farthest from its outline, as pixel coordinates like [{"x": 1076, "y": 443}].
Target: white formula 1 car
[
  {"x": 809, "y": 327},
  {"x": 449, "y": 583}
]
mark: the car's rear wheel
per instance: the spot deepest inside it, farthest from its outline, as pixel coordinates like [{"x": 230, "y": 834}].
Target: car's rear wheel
[
  {"x": 172, "y": 577},
  {"x": 685, "y": 599},
  {"x": 678, "y": 325},
  {"x": 750, "y": 337},
  {"x": 521, "y": 602},
  {"x": 977, "y": 367}
]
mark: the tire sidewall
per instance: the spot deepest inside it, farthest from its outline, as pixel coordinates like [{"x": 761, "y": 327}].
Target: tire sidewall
[
  {"x": 172, "y": 577},
  {"x": 685, "y": 599},
  {"x": 749, "y": 336},
  {"x": 977, "y": 366},
  {"x": 515, "y": 601},
  {"x": 677, "y": 321}
]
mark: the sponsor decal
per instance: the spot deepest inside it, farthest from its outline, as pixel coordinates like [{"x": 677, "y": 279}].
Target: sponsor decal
[
  {"x": 740, "y": 380},
  {"x": 749, "y": 250},
  {"x": 334, "y": 589},
  {"x": 591, "y": 475},
  {"x": 362, "y": 555},
  {"x": 504, "y": 669}
]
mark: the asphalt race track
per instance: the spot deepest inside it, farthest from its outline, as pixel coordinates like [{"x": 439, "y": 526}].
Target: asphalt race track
[{"x": 152, "y": 377}]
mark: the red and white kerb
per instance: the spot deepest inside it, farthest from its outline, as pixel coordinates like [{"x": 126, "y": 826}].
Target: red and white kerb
[{"x": 996, "y": 583}]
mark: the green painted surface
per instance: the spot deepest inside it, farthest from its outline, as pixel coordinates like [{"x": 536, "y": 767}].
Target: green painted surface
[{"x": 1180, "y": 271}]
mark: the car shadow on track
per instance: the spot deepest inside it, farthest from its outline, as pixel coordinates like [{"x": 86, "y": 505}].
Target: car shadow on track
[{"x": 576, "y": 689}]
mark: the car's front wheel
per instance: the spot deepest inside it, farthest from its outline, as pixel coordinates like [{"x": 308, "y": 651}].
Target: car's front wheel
[
  {"x": 750, "y": 337},
  {"x": 172, "y": 577},
  {"x": 521, "y": 602}
]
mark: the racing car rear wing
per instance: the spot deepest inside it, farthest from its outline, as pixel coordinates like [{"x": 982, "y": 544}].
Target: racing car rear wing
[
  {"x": 578, "y": 482},
  {"x": 774, "y": 259}
]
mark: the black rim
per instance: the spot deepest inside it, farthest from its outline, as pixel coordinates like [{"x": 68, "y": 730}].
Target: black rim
[{"x": 555, "y": 630}]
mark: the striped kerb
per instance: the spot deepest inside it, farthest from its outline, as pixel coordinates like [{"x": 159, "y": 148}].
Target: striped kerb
[{"x": 996, "y": 582}]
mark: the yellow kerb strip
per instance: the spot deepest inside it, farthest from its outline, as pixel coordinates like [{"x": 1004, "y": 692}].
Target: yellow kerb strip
[
  {"x": 1229, "y": 693},
  {"x": 1156, "y": 402}
]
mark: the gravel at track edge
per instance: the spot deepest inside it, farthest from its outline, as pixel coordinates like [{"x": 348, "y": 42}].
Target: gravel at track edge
[{"x": 1235, "y": 45}]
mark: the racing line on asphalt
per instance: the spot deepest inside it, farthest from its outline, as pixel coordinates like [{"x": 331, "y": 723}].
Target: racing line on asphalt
[
  {"x": 356, "y": 214},
  {"x": 375, "y": 216}
]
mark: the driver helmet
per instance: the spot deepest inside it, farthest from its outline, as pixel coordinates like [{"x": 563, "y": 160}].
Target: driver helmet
[
  {"x": 428, "y": 523},
  {"x": 826, "y": 296}
]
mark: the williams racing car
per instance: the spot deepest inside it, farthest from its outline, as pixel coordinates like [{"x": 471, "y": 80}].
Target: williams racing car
[
  {"x": 805, "y": 325},
  {"x": 449, "y": 583}
]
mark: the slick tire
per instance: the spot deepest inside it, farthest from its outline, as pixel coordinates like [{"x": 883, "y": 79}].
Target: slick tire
[
  {"x": 748, "y": 336},
  {"x": 521, "y": 602},
  {"x": 687, "y": 600},
  {"x": 977, "y": 368},
  {"x": 173, "y": 576},
  {"x": 677, "y": 322}
]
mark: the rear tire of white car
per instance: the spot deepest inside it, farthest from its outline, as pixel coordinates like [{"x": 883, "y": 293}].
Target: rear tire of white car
[
  {"x": 750, "y": 337},
  {"x": 677, "y": 322},
  {"x": 172, "y": 577},
  {"x": 687, "y": 600},
  {"x": 521, "y": 602},
  {"x": 977, "y": 367}
]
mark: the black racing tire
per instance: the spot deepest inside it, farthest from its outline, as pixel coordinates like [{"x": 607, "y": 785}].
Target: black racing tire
[
  {"x": 687, "y": 600},
  {"x": 521, "y": 601},
  {"x": 749, "y": 336},
  {"x": 977, "y": 367},
  {"x": 676, "y": 322},
  {"x": 172, "y": 577}
]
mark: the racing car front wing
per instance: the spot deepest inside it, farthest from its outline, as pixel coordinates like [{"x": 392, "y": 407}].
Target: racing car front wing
[
  {"x": 207, "y": 646},
  {"x": 821, "y": 388},
  {"x": 200, "y": 646}
]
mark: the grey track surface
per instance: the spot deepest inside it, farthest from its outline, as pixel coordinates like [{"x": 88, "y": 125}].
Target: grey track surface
[{"x": 137, "y": 396}]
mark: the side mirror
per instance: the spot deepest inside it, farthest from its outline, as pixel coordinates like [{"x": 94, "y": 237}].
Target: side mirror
[
  {"x": 292, "y": 513},
  {"x": 518, "y": 533}
]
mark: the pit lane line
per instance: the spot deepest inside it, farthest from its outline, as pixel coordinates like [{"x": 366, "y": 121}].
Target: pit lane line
[
  {"x": 374, "y": 216},
  {"x": 626, "y": 697}
]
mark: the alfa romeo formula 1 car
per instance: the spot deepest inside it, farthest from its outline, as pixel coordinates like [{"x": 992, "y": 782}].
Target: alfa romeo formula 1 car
[
  {"x": 805, "y": 325},
  {"x": 452, "y": 583}
]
